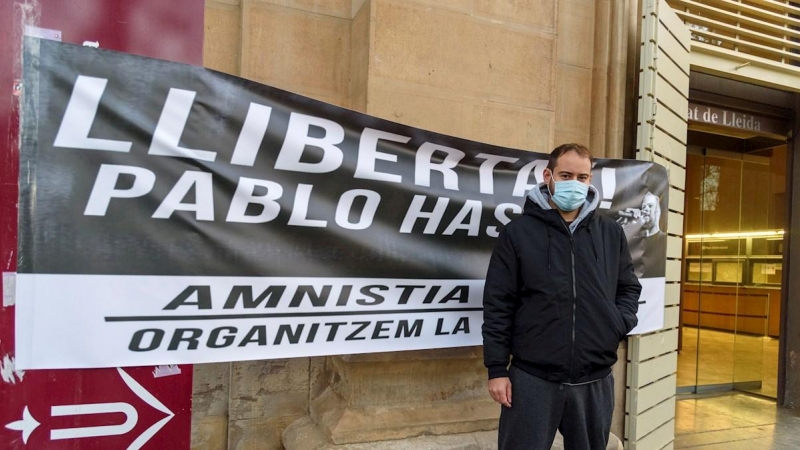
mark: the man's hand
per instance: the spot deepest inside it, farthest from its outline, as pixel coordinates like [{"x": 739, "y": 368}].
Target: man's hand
[{"x": 500, "y": 390}]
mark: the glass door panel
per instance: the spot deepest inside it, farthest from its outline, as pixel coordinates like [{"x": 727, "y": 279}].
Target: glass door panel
[
  {"x": 696, "y": 273},
  {"x": 721, "y": 215},
  {"x": 731, "y": 297},
  {"x": 752, "y": 303}
]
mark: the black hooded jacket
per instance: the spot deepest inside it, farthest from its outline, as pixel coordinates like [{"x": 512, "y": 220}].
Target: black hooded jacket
[{"x": 558, "y": 301}]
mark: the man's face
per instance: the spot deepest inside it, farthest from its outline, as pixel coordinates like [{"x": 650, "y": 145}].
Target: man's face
[
  {"x": 650, "y": 211},
  {"x": 570, "y": 166}
]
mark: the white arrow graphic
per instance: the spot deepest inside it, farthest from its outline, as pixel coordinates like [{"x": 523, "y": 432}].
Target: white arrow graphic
[
  {"x": 150, "y": 400},
  {"x": 28, "y": 423},
  {"x": 131, "y": 418}
]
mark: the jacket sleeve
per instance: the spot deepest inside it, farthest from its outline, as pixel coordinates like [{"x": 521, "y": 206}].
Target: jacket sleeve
[
  {"x": 628, "y": 286},
  {"x": 500, "y": 302}
]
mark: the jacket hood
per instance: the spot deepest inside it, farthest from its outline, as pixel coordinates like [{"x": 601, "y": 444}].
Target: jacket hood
[{"x": 540, "y": 197}]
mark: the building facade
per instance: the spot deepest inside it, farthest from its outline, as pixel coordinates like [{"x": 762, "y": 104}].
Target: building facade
[
  {"x": 526, "y": 75},
  {"x": 705, "y": 88},
  {"x": 708, "y": 89}
]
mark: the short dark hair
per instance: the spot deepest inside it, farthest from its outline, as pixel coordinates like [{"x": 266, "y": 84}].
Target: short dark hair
[{"x": 557, "y": 152}]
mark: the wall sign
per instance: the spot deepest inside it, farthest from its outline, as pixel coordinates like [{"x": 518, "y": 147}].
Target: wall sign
[{"x": 737, "y": 119}]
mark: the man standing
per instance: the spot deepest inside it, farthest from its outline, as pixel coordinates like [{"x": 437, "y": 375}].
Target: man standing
[{"x": 560, "y": 295}]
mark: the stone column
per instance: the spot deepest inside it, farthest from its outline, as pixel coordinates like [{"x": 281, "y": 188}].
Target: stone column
[{"x": 609, "y": 78}]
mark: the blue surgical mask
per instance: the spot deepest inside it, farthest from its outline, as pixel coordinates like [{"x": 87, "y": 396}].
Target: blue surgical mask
[{"x": 570, "y": 195}]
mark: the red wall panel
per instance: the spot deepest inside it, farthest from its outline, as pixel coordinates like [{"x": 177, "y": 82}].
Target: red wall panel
[{"x": 171, "y": 30}]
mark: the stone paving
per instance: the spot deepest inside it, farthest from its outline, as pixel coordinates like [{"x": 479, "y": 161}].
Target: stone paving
[{"x": 735, "y": 421}]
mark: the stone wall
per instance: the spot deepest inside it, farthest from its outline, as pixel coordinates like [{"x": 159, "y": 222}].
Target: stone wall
[{"x": 524, "y": 74}]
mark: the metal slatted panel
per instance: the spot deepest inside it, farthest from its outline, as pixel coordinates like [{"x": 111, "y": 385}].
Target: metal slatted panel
[
  {"x": 767, "y": 29},
  {"x": 661, "y": 138}
]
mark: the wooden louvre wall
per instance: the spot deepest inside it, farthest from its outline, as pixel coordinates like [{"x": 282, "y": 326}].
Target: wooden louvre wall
[
  {"x": 765, "y": 29},
  {"x": 755, "y": 41},
  {"x": 661, "y": 138}
]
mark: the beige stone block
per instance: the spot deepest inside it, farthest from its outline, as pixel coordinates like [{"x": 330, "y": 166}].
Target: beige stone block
[
  {"x": 257, "y": 434},
  {"x": 304, "y": 435},
  {"x": 564, "y": 135},
  {"x": 463, "y": 55},
  {"x": 210, "y": 433},
  {"x": 462, "y": 6},
  {"x": 487, "y": 440},
  {"x": 436, "y": 354},
  {"x": 273, "y": 388},
  {"x": 221, "y": 40},
  {"x": 372, "y": 399},
  {"x": 418, "y": 108},
  {"x": 358, "y": 102},
  {"x": 539, "y": 14},
  {"x": 356, "y": 6},
  {"x": 574, "y": 101},
  {"x": 359, "y": 61},
  {"x": 409, "y": 382},
  {"x": 297, "y": 51},
  {"x": 337, "y": 100},
  {"x": 337, "y": 8},
  {"x": 352, "y": 424},
  {"x": 573, "y": 110},
  {"x": 576, "y": 23},
  {"x": 319, "y": 376},
  {"x": 210, "y": 389},
  {"x": 512, "y": 126}
]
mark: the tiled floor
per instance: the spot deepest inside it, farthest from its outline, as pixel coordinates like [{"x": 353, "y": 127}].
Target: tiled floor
[
  {"x": 735, "y": 421},
  {"x": 726, "y": 358}
]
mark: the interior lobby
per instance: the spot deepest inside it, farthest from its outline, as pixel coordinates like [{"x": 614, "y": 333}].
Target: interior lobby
[
  {"x": 736, "y": 210},
  {"x": 730, "y": 319},
  {"x": 735, "y": 221}
]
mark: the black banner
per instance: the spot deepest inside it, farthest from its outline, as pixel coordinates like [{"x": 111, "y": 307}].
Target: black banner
[
  {"x": 62, "y": 232},
  {"x": 139, "y": 167}
]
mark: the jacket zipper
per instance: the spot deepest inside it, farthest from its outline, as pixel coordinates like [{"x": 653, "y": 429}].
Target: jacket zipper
[
  {"x": 574, "y": 301},
  {"x": 574, "y": 309}
]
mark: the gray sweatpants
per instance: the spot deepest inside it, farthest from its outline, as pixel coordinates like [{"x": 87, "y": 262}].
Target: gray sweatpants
[{"x": 538, "y": 408}]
